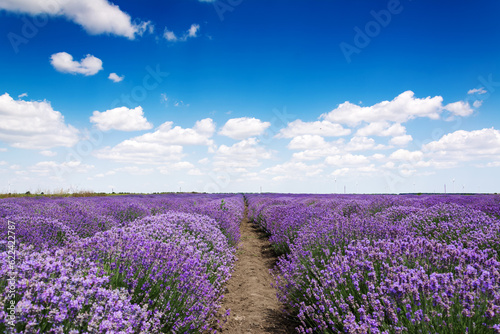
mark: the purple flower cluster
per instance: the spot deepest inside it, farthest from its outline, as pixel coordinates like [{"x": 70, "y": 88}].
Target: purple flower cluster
[
  {"x": 125, "y": 264},
  {"x": 385, "y": 264}
]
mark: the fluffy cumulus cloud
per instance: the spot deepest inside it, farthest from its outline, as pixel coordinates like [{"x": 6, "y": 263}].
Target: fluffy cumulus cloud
[
  {"x": 168, "y": 168},
  {"x": 362, "y": 144},
  {"x": 407, "y": 156},
  {"x": 244, "y": 127},
  {"x": 401, "y": 109},
  {"x": 401, "y": 140},
  {"x": 382, "y": 129},
  {"x": 459, "y": 108},
  {"x": 115, "y": 77},
  {"x": 192, "y": 32},
  {"x": 122, "y": 118},
  {"x": 33, "y": 125},
  {"x": 320, "y": 128},
  {"x": 347, "y": 160},
  {"x": 243, "y": 154},
  {"x": 63, "y": 62},
  {"x": 95, "y": 16},
  {"x": 293, "y": 170},
  {"x": 163, "y": 145},
  {"x": 464, "y": 145},
  {"x": 308, "y": 142},
  {"x": 45, "y": 168}
]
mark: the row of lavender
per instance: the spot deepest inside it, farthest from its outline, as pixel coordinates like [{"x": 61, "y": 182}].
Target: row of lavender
[
  {"x": 125, "y": 264},
  {"x": 386, "y": 264}
]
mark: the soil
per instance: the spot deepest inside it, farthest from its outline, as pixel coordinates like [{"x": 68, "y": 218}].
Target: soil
[{"x": 249, "y": 295}]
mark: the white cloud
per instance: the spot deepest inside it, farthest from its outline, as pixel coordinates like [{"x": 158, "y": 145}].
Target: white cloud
[
  {"x": 115, "y": 77},
  {"x": 403, "y": 108},
  {"x": 177, "y": 166},
  {"x": 362, "y": 144},
  {"x": 48, "y": 153},
  {"x": 122, "y": 118},
  {"x": 33, "y": 125},
  {"x": 464, "y": 145},
  {"x": 459, "y": 108},
  {"x": 163, "y": 145},
  {"x": 405, "y": 155},
  {"x": 314, "y": 147},
  {"x": 314, "y": 154},
  {"x": 63, "y": 62},
  {"x": 478, "y": 91},
  {"x": 95, "y": 16},
  {"x": 22, "y": 95},
  {"x": 477, "y": 103},
  {"x": 3, "y": 149},
  {"x": 382, "y": 129},
  {"x": 192, "y": 32},
  {"x": 293, "y": 170},
  {"x": 378, "y": 156},
  {"x": 245, "y": 153},
  {"x": 307, "y": 142},
  {"x": 45, "y": 168},
  {"x": 401, "y": 140},
  {"x": 133, "y": 151},
  {"x": 169, "y": 35},
  {"x": 347, "y": 160},
  {"x": 244, "y": 127},
  {"x": 320, "y": 128}
]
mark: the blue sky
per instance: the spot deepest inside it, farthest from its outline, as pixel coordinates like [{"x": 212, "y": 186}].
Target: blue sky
[{"x": 235, "y": 95}]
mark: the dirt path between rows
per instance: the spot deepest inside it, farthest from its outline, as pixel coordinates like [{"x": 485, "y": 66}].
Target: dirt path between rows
[{"x": 249, "y": 295}]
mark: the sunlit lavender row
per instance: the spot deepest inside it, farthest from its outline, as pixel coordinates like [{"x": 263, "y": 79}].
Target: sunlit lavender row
[
  {"x": 126, "y": 264},
  {"x": 385, "y": 264}
]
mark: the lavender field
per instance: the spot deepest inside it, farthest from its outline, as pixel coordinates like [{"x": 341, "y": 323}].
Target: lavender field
[
  {"x": 386, "y": 264},
  {"x": 160, "y": 263},
  {"x": 127, "y": 264}
]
